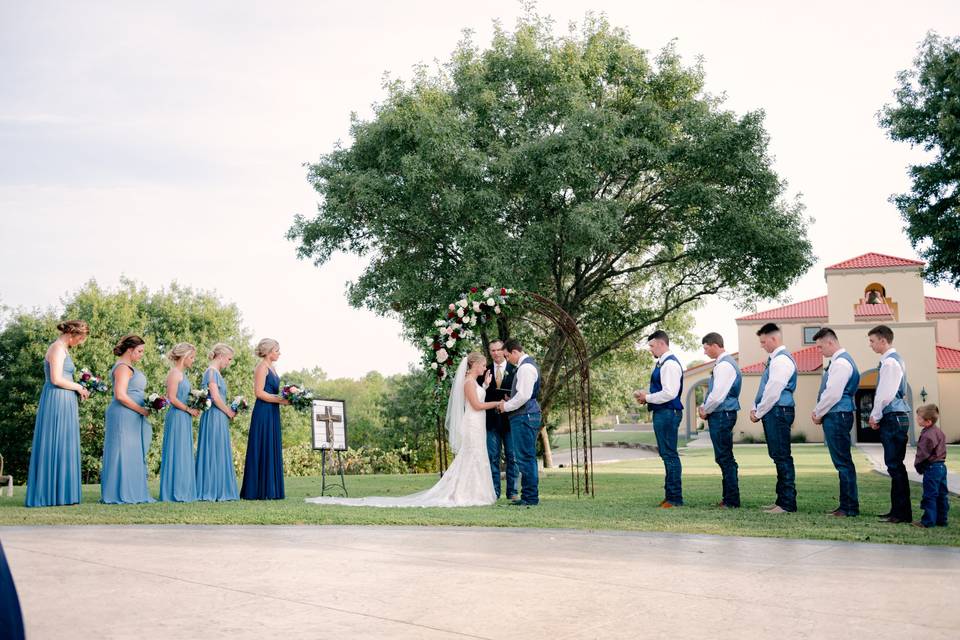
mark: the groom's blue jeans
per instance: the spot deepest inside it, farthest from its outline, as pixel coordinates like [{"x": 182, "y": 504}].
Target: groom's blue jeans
[
  {"x": 524, "y": 429},
  {"x": 836, "y": 435},
  {"x": 497, "y": 442}
]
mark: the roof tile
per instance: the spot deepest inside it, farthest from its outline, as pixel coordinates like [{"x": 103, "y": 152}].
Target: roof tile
[
  {"x": 875, "y": 261},
  {"x": 808, "y": 360},
  {"x": 948, "y": 359}
]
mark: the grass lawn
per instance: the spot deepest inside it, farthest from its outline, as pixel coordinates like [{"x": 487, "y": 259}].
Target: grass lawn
[
  {"x": 953, "y": 458},
  {"x": 627, "y": 494},
  {"x": 599, "y": 437}
]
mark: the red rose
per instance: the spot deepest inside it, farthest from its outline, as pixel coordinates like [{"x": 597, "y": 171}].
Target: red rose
[
  {"x": 455, "y": 335},
  {"x": 85, "y": 376},
  {"x": 449, "y": 361},
  {"x": 473, "y": 289},
  {"x": 503, "y": 292},
  {"x": 451, "y": 315},
  {"x": 436, "y": 346}
]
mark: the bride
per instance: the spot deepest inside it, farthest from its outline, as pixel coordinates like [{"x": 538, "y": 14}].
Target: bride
[{"x": 467, "y": 482}]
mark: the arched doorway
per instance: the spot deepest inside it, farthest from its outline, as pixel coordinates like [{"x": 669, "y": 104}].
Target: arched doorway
[{"x": 864, "y": 405}]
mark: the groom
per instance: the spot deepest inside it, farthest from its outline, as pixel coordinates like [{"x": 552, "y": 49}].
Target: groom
[{"x": 524, "y": 412}]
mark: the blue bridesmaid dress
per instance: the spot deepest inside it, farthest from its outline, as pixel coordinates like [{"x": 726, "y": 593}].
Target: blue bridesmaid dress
[
  {"x": 216, "y": 479},
  {"x": 123, "y": 479},
  {"x": 11, "y": 618},
  {"x": 263, "y": 467},
  {"x": 54, "y": 476},
  {"x": 178, "y": 477}
]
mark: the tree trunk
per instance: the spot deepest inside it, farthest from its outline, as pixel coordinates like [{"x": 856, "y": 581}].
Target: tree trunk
[{"x": 547, "y": 453}]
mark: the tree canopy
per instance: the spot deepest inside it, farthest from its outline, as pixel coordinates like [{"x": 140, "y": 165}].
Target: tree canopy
[
  {"x": 577, "y": 166},
  {"x": 926, "y": 113}
]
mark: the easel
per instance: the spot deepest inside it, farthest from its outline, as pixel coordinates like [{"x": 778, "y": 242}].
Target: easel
[
  {"x": 328, "y": 418},
  {"x": 323, "y": 474}
]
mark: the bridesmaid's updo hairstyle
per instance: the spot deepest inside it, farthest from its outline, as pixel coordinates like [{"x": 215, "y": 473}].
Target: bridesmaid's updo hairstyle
[
  {"x": 266, "y": 346},
  {"x": 220, "y": 349},
  {"x": 74, "y": 328},
  {"x": 180, "y": 351},
  {"x": 127, "y": 342},
  {"x": 475, "y": 357}
]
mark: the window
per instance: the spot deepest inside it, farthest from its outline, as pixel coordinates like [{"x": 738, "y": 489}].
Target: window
[{"x": 808, "y": 333}]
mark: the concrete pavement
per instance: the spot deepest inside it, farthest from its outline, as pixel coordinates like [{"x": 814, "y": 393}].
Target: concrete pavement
[
  {"x": 874, "y": 452},
  {"x": 383, "y": 582}
]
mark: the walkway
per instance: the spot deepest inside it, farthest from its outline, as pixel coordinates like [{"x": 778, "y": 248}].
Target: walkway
[
  {"x": 874, "y": 453},
  {"x": 383, "y": 582}
]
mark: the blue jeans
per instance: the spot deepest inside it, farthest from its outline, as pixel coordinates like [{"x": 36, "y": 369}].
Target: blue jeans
[
  {"x": 721, "y": 435},
  {"x": 934, "y": 502},
  {"x": 776, "y": 429},
  {"x": 893, "y": 436},
  {"x": 836, "y": 435},
  {"x": 497, "y": 443},
  {"x": 665, "y": 425},
  {"x": 524, "y": 430}
]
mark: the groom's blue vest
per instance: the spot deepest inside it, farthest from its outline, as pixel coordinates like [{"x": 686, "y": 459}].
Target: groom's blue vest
[
  {"x": 532, "y": 406},
  {"x": 846, "y": 401},
  {"x": 899, "y": 403}
]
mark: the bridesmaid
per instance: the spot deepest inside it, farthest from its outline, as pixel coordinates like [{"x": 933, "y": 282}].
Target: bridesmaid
[
  {"x": 178, "y": 478},
  {"x": 263, "y": 467},
  {"x": 216, "y": 479},
  {"x": 54, "y": 475},
  {"x": 123, "y": 479}
]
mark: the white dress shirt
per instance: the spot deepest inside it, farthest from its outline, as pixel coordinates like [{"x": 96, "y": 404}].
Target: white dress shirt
[
  {"x": 724, "y": 375},
  {"x": 780, "y": 370},
  {"x": 526, "y": 377},
  {"x": 838, "y": 374},
  {"x": 888, "y": 383},
  {"x": 671, "y": 373}
]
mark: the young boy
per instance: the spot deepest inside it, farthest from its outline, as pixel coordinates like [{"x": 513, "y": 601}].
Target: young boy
[{"x": 930, "y": 463}]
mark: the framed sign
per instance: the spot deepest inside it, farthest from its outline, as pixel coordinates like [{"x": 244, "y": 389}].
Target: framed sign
[{"x": 330, "y": 425}]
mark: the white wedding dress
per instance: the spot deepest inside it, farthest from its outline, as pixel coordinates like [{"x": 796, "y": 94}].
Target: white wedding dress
[{"x": 467, "y": 482}]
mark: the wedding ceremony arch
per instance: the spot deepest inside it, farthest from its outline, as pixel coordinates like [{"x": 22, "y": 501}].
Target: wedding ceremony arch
[{"x": 479, "y": 316}]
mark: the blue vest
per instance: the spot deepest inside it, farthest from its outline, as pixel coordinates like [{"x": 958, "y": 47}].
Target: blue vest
[
  {"x": 531, "y": 406},
  {"x": 732, "y": 401},
  {"x": 845, "y": 403},
  {"x": 786, "y": 396},
  {"x": 657, "y": 386},
  {"x": 899, "y": 403}
]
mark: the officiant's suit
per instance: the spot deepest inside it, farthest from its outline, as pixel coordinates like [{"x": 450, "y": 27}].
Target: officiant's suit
[{"x": 499, "y": 442}]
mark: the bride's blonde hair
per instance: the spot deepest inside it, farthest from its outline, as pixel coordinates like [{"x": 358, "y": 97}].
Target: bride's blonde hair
[{"x": 474, "y": 357}]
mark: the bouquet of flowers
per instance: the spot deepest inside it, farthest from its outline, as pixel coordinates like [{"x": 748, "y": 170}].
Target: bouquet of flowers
[
  {"x": 199, "y": 399},
  {"x": 154, "y": 402},
  {"x": 92, "y": 383},
  {"x": 239, "y": 404},
  {"x": 300, "y": 399}
]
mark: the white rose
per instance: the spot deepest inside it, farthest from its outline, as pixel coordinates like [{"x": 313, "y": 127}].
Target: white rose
[
  {"x": 451, "y": 342},
  {"x": 442, "y": 355},
  {"x": 439, "y": 323},
  {"x": 428, "y": 340},
  {"x": 476, "y": 307},
  {"x": 462, "y": 303},
  {"x": 433, "y": 365},
  {"x": 489, "y": 302},
  {"x": 496, "y": 309},
  {"x": 460, "y": 312},
  {"x": 488, "y": 291}
]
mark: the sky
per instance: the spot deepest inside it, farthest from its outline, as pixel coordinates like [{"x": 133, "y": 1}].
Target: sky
[{"x": 154, "y": 140}]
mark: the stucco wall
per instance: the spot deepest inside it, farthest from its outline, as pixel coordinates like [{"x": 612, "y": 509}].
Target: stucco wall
[
  {"x": 948, "y": 332},
  {"x": 845, "y": 289},
  {"x": 950, "y": 404}
]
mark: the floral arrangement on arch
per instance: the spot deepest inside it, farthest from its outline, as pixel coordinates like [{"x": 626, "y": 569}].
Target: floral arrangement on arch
[{"x": 455, "y": 332}]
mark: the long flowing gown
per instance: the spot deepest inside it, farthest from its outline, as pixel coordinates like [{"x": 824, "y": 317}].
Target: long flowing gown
[
  {"x": 263, "y": 466},
  {"x": 123, "y": 479},
  {"x": 216, "y": 479},
  {"x": 466, "y": 482},
  {"x": 54, "y": 475},
  {"x": 178, "y": 475}
]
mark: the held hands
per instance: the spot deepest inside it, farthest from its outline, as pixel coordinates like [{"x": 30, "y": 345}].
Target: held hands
[
  {"x": 816, "y": 420},
  {"x": 500, "y": 406},
  {"x": 84, "y": 393},
  {"x": 641, "y": 396},
  {"x": 873, "y": 424},
  {"x": 231, "y": 414},
  {"x": 193, "y": 412},
  {"x": 701, "y": 413},
  {"x": 753, "y": 416}
]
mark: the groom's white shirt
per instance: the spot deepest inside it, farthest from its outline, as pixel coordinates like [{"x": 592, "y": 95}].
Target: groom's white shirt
[{"x": 526, "y": 377}]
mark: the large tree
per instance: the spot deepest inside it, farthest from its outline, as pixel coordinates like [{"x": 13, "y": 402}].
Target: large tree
[
  {"x": 927, "y": 114},
  {"x": 576, "y": 166}
]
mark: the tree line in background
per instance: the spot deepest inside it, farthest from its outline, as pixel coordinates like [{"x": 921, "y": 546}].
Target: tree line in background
[{"x": 388, "y": 429}]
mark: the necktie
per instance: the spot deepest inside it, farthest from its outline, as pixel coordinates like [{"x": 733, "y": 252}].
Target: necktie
[{"x": 499, "y": 376}]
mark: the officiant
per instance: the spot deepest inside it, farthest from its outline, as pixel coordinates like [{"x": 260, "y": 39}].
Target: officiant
[{"x": 499, "y": 443}]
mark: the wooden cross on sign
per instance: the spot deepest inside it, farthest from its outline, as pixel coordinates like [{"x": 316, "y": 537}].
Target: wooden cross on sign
[{"x": 329, "y": 418}]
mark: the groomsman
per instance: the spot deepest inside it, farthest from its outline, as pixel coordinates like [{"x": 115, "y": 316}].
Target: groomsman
[
  {"x": 499, "y": 441},
  {"x": 720, "y": 409},
  {"x": 891, "y": 415},
  {"x": 835, "y": 411},
  {"x": 774, "y": 405},
  {"x": 663, "y": 399}
]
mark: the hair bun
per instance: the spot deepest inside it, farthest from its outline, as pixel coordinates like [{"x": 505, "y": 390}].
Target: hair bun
[
  {"x": 127, "y": 342},
  {"x": 74, "y": 327}
]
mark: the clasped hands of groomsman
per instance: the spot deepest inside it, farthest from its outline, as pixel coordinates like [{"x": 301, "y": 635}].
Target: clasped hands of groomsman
[{"x": 774, "y": 406}]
